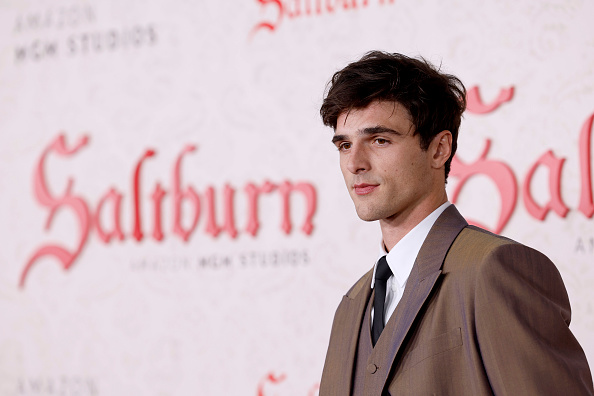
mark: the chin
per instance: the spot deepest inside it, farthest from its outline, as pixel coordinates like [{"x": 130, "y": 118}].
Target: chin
[
  {"x": 368, "y": 219},
  {"x": 367, "y": 215}
]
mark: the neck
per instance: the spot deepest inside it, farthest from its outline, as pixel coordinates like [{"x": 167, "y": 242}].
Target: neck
[{"x": 397, "y": 226}]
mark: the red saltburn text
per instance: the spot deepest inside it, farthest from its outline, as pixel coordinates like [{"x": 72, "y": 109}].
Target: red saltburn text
[
  {"x": 90, "y": 220},
  {"x": 505, "y": 180},
  {"x": 279, "y": 9}
]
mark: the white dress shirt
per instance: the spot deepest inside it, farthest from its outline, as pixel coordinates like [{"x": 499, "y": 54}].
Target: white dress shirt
[{"x": 401, "y": 258}]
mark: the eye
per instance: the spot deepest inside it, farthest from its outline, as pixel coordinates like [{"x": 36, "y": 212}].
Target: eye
[
  {"x": 343, "y": 146},
  {"x": 381, "y": 141}
]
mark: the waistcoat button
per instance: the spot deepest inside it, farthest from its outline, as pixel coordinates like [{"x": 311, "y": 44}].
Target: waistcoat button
[{"x": 371, "y": 368}]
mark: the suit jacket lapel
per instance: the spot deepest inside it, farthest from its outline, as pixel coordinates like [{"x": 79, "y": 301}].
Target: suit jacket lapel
[{"x": 423, "y": 277}]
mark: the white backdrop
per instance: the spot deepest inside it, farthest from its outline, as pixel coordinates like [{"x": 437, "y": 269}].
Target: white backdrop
[{"x": 150, "y": 314}]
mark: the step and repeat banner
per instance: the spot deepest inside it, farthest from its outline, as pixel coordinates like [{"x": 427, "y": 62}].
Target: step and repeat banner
[{"x": 172, "y": 215}]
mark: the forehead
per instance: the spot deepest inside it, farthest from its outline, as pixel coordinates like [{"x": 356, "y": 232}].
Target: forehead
[{"x": 387, "y": 114}]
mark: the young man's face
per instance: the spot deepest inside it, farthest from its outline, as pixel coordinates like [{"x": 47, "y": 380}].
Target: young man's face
[{"x": 386, "y": 172}]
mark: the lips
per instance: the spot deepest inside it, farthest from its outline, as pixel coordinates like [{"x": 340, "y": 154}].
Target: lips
[{"x": 364, "y": 189}]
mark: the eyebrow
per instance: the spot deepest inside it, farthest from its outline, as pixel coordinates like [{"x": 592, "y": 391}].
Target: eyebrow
[{"x": 367, "y": 131}]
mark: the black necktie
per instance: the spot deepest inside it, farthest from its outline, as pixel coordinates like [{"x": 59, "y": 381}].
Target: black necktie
[{"x": 382, "y": 273}]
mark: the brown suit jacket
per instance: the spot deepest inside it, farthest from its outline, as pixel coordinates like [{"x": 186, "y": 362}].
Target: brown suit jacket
[{"x": 480, "y": 315}]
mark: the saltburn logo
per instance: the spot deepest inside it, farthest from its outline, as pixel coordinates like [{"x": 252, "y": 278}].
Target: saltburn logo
[{"x": 90, "y": 219}]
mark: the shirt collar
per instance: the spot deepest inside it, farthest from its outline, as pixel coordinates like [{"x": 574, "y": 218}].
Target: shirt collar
[{"x": 402, "y": 256}]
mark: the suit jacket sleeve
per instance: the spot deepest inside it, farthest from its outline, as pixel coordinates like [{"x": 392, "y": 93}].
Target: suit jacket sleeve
[{"x": 522, "y": 315}]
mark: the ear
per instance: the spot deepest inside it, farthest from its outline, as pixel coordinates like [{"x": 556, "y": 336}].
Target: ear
[{"x": 441, "y": 149}]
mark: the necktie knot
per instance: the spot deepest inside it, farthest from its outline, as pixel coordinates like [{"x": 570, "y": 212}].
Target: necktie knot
[{"x": 383, "y": 271}]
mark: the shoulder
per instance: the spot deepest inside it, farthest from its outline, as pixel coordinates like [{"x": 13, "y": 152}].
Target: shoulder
[
  {"x": 497, "y": 264},
  {"x": 479, "y": 244},
  {"x": 476, "y": 238},
  {"x": 490, "y": 256}
]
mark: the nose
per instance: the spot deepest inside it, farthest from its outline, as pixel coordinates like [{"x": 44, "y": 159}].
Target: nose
[{"x": 357, "y": 161}]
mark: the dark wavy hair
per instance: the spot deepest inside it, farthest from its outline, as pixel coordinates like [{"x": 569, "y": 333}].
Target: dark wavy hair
[{"x": 434, "y": 100}]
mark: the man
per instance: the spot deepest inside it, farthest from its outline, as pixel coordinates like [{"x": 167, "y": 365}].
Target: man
[{"x": 466, "y": 312}]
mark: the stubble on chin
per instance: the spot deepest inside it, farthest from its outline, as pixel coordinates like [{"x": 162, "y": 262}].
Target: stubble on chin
[{"x": 366, "y": 213}]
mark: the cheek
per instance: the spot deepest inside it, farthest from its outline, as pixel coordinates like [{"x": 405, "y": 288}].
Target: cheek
[
  {"x": 397, "y": 168},
  {"x": 344, "y": 170}
]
